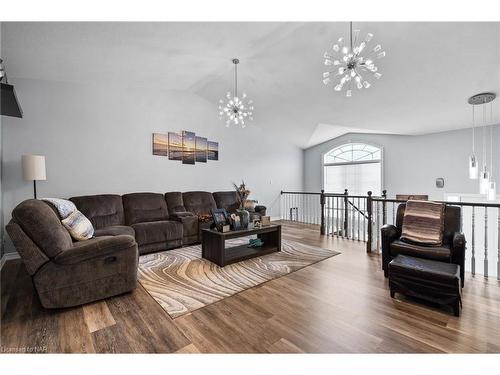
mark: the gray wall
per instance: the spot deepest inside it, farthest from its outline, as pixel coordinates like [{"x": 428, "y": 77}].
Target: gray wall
[
  {"x": 411, "y": 164},
  {"x": 97, "y": 139}
]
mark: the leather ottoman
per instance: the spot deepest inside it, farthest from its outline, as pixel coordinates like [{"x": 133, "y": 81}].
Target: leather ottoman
[{"x": 430, "y": 280}]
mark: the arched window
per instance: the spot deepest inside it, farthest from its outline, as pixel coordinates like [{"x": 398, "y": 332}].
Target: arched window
[{"x": 353, "y": 166}]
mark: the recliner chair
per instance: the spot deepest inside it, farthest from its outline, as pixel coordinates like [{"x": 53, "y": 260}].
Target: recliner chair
[
  {"x": 67, "y": 273},
  {"x": 451, "y": 251}
]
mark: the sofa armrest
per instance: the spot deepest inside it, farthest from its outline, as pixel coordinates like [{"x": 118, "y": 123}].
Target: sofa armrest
[
  {"x": 458, "y": 253},
  {"x": 389, "y": 234},
  {"x": 178, "y": 216},
  {"x": 261, "y": 210},
  {"x": 95, "y": 248},
  {"x": 186, "y": 218}
]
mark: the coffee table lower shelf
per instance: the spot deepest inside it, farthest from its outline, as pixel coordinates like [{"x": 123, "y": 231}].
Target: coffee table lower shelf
[
  {"x": 243, "y": 252},
  {"x": 214, "y": 248}
]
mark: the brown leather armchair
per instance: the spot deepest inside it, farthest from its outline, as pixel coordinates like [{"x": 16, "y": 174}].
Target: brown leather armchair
[{"x": 451, "y": 251}]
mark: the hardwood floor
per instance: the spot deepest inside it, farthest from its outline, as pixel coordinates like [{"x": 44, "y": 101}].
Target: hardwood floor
[{"x": 338, "y": 305}]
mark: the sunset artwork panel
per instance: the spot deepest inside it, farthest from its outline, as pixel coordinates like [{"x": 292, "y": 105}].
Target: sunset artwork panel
[
  {"x": 213, "y": 150},
  {"x": 160, "y": 144},
  {"x": 188, "y": 147},
  {"x": 174, "y": 146},
  {"x": 201, "y": 149}
]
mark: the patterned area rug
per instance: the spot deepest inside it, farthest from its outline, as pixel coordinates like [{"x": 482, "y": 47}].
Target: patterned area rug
[{"x": 181, "y": 281}]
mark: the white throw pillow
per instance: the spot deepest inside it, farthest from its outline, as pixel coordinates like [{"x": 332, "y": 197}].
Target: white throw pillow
[{"x": 78, "y": 226}]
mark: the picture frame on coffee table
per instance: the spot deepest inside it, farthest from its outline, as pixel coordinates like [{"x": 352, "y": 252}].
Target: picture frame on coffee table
[{"x": 221, "y": 218}]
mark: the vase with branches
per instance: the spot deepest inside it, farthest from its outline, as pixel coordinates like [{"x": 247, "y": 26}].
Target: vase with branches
[{"x": 242, "y": 193}]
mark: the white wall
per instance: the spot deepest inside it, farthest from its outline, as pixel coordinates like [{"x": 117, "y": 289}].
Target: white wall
[
  {"x": 411, "y": 164},
  {"x": 97, "y": 139}
]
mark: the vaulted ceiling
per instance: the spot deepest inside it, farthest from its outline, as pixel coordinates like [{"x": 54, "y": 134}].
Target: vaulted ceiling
[{"x": 429, "y": 72}]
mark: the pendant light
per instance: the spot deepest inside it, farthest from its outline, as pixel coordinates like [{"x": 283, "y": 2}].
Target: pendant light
[
  {"x": 473, "y": 167},
  {"x": 9, "y": 105},
  {"x": 234, "y": 109},
  {"x": 492, "y": 186},
  {"x": 484, "y": 178}
]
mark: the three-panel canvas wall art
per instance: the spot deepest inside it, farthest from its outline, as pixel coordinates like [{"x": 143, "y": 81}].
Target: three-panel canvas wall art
[{"x": 186, "y": 147}]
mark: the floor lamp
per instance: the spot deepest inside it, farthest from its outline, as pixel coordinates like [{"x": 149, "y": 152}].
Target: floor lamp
[{"x": 34, "y": 169}]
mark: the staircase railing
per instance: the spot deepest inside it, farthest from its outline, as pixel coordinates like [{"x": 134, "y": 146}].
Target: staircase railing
[{"x": 360, "y": 217}]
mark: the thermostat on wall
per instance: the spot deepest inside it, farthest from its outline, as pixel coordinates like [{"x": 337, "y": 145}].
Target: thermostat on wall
[{"x": 440, "y": 182}]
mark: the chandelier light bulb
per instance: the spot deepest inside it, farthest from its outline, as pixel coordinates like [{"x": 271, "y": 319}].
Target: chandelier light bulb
[{"x": 350, "y": 64}]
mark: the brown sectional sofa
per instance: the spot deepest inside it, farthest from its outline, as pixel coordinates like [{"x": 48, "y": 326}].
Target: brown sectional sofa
[
  {"x": 147, "y": 214},
  {"x": 67, "y": 273}
]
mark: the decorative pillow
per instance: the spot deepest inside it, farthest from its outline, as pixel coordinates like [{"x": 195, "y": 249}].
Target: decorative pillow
[
  {"x": 78, "y": 226},
  {"x": 423, "y": 222},
  {"x": 63, "y": 206}
]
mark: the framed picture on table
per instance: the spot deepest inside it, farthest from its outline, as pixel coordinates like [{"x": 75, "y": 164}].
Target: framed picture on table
[{"x": 221, "y": 218}]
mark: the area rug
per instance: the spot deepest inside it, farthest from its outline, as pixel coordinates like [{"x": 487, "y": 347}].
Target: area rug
[{"x": 181, "y": 281}]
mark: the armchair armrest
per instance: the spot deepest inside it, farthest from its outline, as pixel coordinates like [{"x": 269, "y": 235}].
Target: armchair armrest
[
  {"x": 95, "y": 248},
  {"x": 389, "y": 233},
  {"x": 458, "y": 253}
]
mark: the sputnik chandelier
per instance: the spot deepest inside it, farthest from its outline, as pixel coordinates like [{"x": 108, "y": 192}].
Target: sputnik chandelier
[
  {"x": 350, "y": 64},
  {"x": 233, "y": 109}
]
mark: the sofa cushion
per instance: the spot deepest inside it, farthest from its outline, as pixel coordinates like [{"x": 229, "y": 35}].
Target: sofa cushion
[
  {"x": 157, "y": 231},
  {"x": 429, "y": 252},
  {"x": 423, "y": 222},
  {"x": 174, "y": 202},
  {"x": 41, "y": 223},
  {"x": 102, "y": 210},
  {"x": 199, "y": 202},
  {"x": 115, "y": 230},
  {"x": 227, "y": 200},
  {"x": 144, "y": 207},
  {"x": 78, "y": 226}
]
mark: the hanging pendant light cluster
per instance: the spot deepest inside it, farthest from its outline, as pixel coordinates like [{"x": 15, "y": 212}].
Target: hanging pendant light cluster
[
  {"x": 233, "y": 109},
  {"x": 487, "y": 184},
  {"x": 350, "y": 64}
]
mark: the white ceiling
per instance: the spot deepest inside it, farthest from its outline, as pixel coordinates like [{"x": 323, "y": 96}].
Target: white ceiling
[{"x": 429, "y": 72}]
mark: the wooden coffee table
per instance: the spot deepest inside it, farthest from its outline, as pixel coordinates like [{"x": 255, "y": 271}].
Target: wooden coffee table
[{"x": 213, "y": 244}]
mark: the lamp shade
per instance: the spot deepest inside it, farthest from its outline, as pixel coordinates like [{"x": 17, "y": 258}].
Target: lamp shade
[
  {"x": 9, "y": 105},
  {"x": 34, "y": 167}
]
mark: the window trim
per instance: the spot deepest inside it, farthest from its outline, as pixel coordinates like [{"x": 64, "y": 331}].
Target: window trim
[{"x": 344, "y": 143}]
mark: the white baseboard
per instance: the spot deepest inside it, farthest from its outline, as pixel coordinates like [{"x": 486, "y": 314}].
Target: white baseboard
[{"x": 7, "y": 257}]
